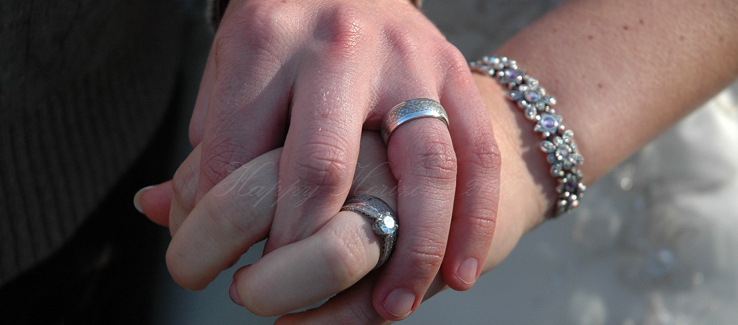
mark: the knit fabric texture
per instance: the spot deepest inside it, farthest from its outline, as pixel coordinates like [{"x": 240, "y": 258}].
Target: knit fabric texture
[{"x": 83, "y": 86}]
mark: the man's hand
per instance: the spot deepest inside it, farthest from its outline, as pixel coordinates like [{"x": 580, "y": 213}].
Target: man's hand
[{"x": 310, "y": 75}]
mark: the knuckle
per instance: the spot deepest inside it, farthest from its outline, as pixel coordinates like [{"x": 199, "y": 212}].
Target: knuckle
[
  {"x": 258, "y": 27},
  {"x": 485, "y": 154},
  {"x": 426, "y": 256},
  {"x": 405, "y": 42},
  {"x": 344, "y": 28},
  {"x": 236, "y": 225},
  {"x": 221, "y": 156},
  {"x": 215, "y": 168},
  {"x": 482, "y": 220},
  {"x": 483, "y": 161},
  {"x": 343, "y": 258},
  {"x": 438, "y": 161},
  {"x": 452, "y": 65},
  {"x": 359, "y": 314},
  {"x": 323, "y": 165},
  {"x": 453, "y": 62},
  {"x": 264, "y": 17}
]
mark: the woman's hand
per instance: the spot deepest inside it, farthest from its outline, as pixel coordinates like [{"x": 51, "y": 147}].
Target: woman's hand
[{"x": 309, "y": 76}]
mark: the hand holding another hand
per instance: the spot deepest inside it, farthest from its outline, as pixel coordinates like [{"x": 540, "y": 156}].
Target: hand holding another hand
[
  {"x": 309, "y": 76},
  {"x": 313, "y": 74},
  {"x": 336, "y": 260}
]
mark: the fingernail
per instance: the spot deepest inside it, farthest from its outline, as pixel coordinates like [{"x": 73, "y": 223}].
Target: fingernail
[
  {"x": 467, "y": 271},
  {"x": 137, "y": 198},
  {"x": 400, "y": 302},
  {"x": 233, "y": 292}
]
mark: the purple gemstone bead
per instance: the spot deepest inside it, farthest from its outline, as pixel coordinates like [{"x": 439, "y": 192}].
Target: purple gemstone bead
[
  {"x": 563, "y": 152},
  {"x": 549, "y": 122},
  {"x": 571, "y": 185},
  {"x": 511, "y": 74},
  {"x": 532, "y": 95}
]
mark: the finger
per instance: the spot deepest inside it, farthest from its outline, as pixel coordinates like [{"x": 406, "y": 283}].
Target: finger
[
  {"x": 340, "y": 254},
  {"x": 478, "y": 178},
  {"x": 424, "y": 162},
  {"x": 184, "y": 188},
  {"x": 354, "y": 305},
  {"x": 247, "y": 107},
  {"x": 233, "y": 216},
  {"x": 307, "y": 271},
  {"x": 331, "y": 98},
  {"x": 237, "y": 212},
  {"x": 351, "y": 306},
  {"x": 373, "y": 175},
  {"x": 154, "y": 202},
  {"x": 197, "y": 122}
]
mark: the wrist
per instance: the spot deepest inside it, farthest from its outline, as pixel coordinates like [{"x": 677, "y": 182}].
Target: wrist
[{"x": 527, "y": 189}]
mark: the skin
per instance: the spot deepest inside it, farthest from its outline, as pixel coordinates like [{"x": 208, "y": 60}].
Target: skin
[
  {"x": 622, "y": 73},
  {"x": 310, "y": 76}
]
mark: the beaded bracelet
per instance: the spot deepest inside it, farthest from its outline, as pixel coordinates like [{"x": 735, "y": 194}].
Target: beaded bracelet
[{"x": 558, "y": 142}]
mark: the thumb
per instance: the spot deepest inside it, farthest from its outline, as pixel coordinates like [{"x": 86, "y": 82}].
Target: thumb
[{"x": 154, "y": 202}]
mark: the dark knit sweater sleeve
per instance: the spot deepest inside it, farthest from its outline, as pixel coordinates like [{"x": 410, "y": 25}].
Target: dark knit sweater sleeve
[{"x": 83, "y": 86}]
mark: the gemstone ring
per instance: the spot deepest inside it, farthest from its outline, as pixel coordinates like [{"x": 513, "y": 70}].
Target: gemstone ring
[{"x": 383, "y": 220}]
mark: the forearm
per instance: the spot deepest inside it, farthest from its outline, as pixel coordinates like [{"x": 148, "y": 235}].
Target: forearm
[{"x": 622, "y": 73}]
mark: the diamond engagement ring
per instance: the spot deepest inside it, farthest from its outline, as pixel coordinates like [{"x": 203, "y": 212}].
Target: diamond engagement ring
[
  {"x": 410, "y": 110},
  {"x": 383, "y": 220}
]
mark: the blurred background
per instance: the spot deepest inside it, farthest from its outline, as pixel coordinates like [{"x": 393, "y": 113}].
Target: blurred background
[{"x": 654, "y": 242}]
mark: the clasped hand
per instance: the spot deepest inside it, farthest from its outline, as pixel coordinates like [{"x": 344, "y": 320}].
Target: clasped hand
[{"x": 311, "y": 76}]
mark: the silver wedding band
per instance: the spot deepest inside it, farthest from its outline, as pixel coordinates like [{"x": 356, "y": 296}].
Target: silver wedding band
[
  {"x": 383, "y": 220},
  {"x": 410, "y": 110}
]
